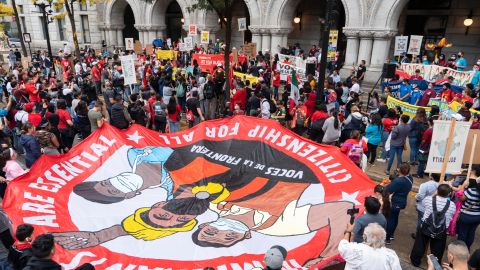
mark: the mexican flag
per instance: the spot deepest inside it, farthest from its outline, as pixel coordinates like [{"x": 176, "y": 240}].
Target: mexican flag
[{"x": 295, "y": 91}]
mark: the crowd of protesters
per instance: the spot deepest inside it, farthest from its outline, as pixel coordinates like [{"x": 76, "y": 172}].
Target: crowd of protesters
[{"x": 53, "y": 104}]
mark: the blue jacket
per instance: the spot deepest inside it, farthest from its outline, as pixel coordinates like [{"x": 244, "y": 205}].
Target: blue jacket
[
  {"x": 32, "y": 149},
  {"x": 399, "y": 188},
  {"x": 405, "y": 89},
  {"x": 374, "y": 134}
]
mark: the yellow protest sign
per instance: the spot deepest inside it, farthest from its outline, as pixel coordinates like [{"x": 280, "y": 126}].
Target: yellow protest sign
[
  {"x": 245, "y": 77},
  {"x": 205, "y": 37},
  {"x": 165, "y": 54},
  {"x": 407, "y": 109}
]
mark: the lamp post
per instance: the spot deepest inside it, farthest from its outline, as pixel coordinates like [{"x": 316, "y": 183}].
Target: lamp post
[
  {"x": 330, "y": 16},
  {"x": 44, "y": 5}
]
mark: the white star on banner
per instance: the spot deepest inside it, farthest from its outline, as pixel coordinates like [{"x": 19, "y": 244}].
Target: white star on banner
[
  {"x": 350, "y": 197},
  {"x": 134, "y": 137}
]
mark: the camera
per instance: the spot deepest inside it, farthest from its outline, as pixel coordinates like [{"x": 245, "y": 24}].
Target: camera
[{"x": 352, "y": 212}]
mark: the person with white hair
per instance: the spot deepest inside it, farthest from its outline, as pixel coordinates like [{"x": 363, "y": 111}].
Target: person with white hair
[{"x": 371, "y": 254}]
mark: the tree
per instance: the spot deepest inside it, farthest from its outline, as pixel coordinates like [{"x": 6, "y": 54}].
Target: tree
[
  {"x": 70, "y": 11},
  {"x": 223, "y": 8},
  {"x": 13, "y": 11}
]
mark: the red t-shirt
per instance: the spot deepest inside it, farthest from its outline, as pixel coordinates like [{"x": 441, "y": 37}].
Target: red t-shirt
[
  {"x": 447, "y": 95},
  {"x": 173, "y": 116},
  {"x": 276, "y": 80},
  {"x": 31, "y": 89},
  {"x": 96, "y": 74},
  {"x": 34, "y": 118},
  {"x": 389, "y": 124},
  {"x": 65, "y": 63},
  {"x": 317, "y": 115},
  {"x": 64, "y": 116}
]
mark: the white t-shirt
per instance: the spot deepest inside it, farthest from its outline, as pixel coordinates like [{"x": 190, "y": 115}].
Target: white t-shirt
[
  {"x": 359, "y": 256},
  {"x": 355, "y": 88}
]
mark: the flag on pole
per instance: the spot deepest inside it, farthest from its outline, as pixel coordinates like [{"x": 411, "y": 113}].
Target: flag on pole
[{"x": 295, "y": 91}]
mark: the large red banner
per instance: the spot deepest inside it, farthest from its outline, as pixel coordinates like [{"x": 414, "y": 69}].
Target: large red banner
[
  {"x": 217, "y": 195},
  {"x": 208, "y": 62}
]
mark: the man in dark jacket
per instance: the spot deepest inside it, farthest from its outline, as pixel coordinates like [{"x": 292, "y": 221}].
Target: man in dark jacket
[
  {"x": 120, "y": 118},
  {"x": 21, "y": 251},
  {"x": 43, "y": 249}
]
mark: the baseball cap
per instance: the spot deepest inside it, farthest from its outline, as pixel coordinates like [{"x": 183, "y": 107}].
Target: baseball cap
[{"x": 275, "y": 256}]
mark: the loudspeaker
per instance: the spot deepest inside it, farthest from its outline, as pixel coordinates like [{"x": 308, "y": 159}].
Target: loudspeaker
[
  {"x": 388, "y": 71},
  {"x": 310, "y": 69}
]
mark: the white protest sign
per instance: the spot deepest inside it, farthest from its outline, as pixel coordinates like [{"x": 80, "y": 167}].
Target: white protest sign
[
  {"x": 128, "y": 68},
  {"x": 285, "y": 71},
  {"x": 441, "y": 131},
  {"x": 401, "y": 43},
  {"x": 294, "y": 60},
  {"x": 188, "y": 43},
  {"x": 169, "y": 42},
  {"x": 242, "y": 24},
  {"x": 415, "y": 45},
  {"x": 181, "y": 46},
  {"x": 129, "y": 44}
]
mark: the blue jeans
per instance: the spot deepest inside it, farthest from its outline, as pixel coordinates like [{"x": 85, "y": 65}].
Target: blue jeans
[
  {"x": 174, "y": 126},
  {"x": 466, "y": 227},
  {"x": 384, "y": 140},
  {"x": 422, "y": 165},
  {"x": 5, "y": 264},
  {"x": 392, "y": 221},
  {"x": 395, "y": 150},
  {"x": 414, "y": 145}
]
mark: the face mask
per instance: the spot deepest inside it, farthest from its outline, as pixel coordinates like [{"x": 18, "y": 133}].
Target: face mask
[
  {"x": 478, "y": 63},
  {"x": 127, "y": 182},
  {"x": 441, "y": 57},
  {"x": 224, "y": 224}
]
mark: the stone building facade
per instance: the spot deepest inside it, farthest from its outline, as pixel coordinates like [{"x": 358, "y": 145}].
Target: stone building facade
[{"x": 367, "y": 27}]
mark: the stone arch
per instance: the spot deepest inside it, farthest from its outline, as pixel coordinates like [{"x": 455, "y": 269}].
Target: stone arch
[
  {"x": 155, "y": 12},
  {"x": 114, "y": 11}
]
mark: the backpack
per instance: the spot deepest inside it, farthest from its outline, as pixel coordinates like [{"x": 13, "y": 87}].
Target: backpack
[
  {"x": 273, "y": 107},
  {"x": 208, "y": 91},
  {"x": 317, "y": 125},
  {"x": 159, "y": 114},
  {"x": 180, "y": 90},
  {"x": 355, "y": 152},
  {"x": 435, "y": 225},
  {"x": 301, "y": 117}
]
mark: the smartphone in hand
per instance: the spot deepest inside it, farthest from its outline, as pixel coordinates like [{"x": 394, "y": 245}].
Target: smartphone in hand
[{"x": 436, "y": 265}]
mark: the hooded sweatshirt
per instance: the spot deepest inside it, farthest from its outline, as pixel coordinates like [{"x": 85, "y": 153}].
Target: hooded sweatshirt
[
  {"x": 354, "y": 121},
  {"x": 32, "y": 149},
  {"x": 120, "y": 117},
  {"x": 42, "y": 264}
]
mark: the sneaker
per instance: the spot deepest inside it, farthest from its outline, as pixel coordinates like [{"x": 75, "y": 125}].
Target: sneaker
[
  {"x": 387, "y": 172},
  {"x": 388, "y": 242},
  {"x": 381, "y": 160},
  {"x": 392, "y": 238}
]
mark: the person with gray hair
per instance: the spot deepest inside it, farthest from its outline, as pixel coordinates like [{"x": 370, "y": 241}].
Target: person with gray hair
[
  {"x": 371, "y": 254},
  {"x": 457, "y": 255}
]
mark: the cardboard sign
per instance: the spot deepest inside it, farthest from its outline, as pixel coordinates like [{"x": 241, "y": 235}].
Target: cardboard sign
[
  {"x": 250, "y": 49},
  {"x": 415, "y": 45},
  {"x": 235, "y": 55},
  {"x": 192, "y": 30},
  {"x": 469, "y": 147},
  {"x": 138, "y": 47},
  {"x": 205, "y": 37},
  {"x": 149, "y": 49}
]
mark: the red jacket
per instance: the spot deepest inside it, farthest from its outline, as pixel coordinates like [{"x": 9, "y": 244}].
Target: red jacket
[{"x": 240, "y": 98}]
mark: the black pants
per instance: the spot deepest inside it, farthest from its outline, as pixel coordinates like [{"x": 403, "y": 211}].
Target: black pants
[
  {"x": 7, "y": 239},
  {"x": 371, "y": 153},
  {"x": 160, "y": 126},
  {"x": 437, "y": 246}
]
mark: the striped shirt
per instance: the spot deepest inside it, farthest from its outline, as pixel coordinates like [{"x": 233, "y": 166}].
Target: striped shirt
[
  {"x": 472, "y": 205},
  {"x": 441, "y": 202}
]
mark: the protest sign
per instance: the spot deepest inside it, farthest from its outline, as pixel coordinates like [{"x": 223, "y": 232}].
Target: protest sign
[
  {"x": 181, "y": 47},
  {"x": 205, "y": 37},
  {"x": 428, "y": 72},
  {"x": 129, "y": 44},
  {"x": 415, "y": 45},
  {"x": 407, "y": 108},
  {"x": 235, "y": 55},
  {"x": 250, "y": 49},
  {"x": 438, "y": 146},
  {"x": 469, "y": 148},
  {"x": 242, "y": 24},
  {"x": 285, "y": 71},
  {"x": 137, "y": 47},
  {"x": 293, "y": 60},
  {"x": 401, "y": 43},
  {"x": 188, "y": 41},
  {"x": 169, "y": 42},
  {"x": 210, "y": 61},
  {"x": 165, "y": 54},
  {"x": 332, "y": 45},
  {"x": 128, "y": 68},
  {"x": 100, "y": 200},
  {"x": 149, "y": 49},
  {"x": 245, "y": 77},
  {"x": 192, "y": 30}
]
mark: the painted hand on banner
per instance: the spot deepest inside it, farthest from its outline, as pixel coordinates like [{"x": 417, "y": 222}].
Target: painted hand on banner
[{"x": 76, "y": 240}]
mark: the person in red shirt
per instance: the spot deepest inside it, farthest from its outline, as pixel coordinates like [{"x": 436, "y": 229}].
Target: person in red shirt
[
  {"x": 240, "y": 98},
  {"x": 389, "y": 123},
  {"x": 466, "y": 96},
  {"x": 97, "y": 77},
  {"x": 276, "y": 84},
  {"x": 150, "y": 101},
  {"x": 65, "y": 124},
  {"x": 317, "y": 119},
  {"x": 33, "y": 117},
  {"x": 33, "y": 93},
  {"x": 417, "y": 76},
  {"x": 355, "y": 139},
  {"x": 65, "y": 63},
  {"x": 424, "y": 148},
  {"x": 447, "y": 93}
]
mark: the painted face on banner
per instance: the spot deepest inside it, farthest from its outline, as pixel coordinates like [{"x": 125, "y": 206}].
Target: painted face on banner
[{"x": 221, "y": 193}]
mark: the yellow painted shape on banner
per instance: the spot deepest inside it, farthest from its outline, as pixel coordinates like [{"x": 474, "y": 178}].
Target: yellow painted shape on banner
[
  {"x": 244, "y": 77},
  {"x": 407, "y": 109},
  {"x": 455, "y": 106},
  {"x": 165, "y": 54}
]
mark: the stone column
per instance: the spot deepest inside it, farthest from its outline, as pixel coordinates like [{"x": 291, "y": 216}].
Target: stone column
[
  {"x": 256, "y": 36},
  {"x": 266, "y": 40},
  {"x": 381, "y": 47},
  {"x": 279, "y": 38},
  {"x": 112, "y": 36},
  {"x": 120, "y": 41},
  {"x": 351, "y": 54},
  {"x": 365, "y": 48}
]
